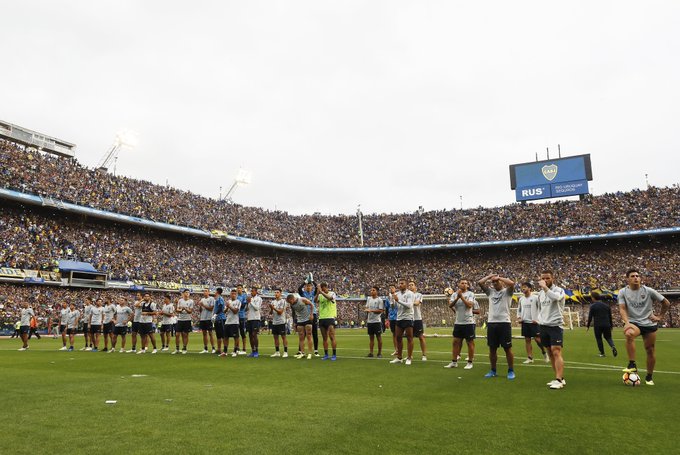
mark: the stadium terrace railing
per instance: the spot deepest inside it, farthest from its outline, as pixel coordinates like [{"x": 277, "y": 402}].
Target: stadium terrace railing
[{"x": 31, "y": 199}]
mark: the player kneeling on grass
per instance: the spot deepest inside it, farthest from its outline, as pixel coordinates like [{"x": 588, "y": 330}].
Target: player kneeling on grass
[
  {"x": 551, "y": 322},
  {"x": 375, "y": 308},
  {"x": 499, "y": 327},
  {"x": 328, "y": 312},
  {"x": 278, "y": 308},
  {"x": 304, "y": 313},
  {"x": 463, "y": 303},
  {"x": 120, "y": 321},
  {"x": 636, "y": 305}
]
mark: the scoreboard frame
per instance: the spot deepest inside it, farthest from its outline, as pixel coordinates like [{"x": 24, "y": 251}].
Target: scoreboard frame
[{"x": 551, "y": 178}]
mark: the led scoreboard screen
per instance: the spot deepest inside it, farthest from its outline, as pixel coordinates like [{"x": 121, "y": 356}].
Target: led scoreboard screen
[{"x": 551, "y": 178}]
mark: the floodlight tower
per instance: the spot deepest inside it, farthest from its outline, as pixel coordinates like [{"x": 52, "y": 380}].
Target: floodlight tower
[
  {"x": 124, "y": 139},
  {"x": 242, "y": 178}
]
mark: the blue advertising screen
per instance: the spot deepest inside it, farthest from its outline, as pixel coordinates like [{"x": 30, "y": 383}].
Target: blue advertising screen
[{"x": 551, "y": 178}]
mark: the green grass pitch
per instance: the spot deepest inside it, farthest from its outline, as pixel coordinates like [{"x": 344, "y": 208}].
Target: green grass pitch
[{"x": 54, "y": 402}]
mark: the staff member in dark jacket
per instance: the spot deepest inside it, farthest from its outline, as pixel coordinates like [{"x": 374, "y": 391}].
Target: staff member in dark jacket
[{"x": 601, "y": 313}]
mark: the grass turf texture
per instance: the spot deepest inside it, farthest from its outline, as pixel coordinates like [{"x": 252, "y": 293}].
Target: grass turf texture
[{"x": 55, "y": 401}]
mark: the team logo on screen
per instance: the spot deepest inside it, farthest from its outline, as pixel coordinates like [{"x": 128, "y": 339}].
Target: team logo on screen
[{"x": 549, "y": 172}]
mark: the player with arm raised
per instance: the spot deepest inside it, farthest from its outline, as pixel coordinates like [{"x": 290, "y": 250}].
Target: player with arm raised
[
  {"x": 304, "y": 312},
  {"x": 206, "y": 305},
  {"x": 253, "y": 321},
  {"x": 375, "y": 308},
  {"x": 278, "y": 308},
  {"x": 392, "y": 311},
  {"x": 404, "y": 300},
  {"x": 527, "y": 315},
  {"x": 463, "y": 303},
  {"x": 551, "y": 324},
  {"x": 636, "y": 305},
  {"x": 499, "y": 327}
]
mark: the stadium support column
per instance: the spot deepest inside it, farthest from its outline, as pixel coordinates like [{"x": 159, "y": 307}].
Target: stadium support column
[{"x": 361, "y": 227}]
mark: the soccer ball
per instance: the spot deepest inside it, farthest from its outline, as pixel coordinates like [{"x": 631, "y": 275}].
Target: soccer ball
[{"x": 631, "y": 379}]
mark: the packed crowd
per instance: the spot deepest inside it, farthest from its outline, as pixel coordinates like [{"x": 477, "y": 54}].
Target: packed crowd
[
  {"x": 66, "y": 179},
  {"x": 34, "y": 239}
]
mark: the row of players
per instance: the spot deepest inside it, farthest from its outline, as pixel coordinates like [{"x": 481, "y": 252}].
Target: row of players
[{"x": 541, "y": 315}]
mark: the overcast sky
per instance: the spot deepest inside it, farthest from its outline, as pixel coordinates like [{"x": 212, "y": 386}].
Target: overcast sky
[{"x": 330, "y": 104}]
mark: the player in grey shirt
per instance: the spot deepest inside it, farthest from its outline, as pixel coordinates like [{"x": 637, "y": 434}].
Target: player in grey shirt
[
  {"x": 206, "y": 305},
  {"x": 25, "y": 325},
  {"x": 527, "y": 315},
  {"x": 231, "y": 326},
  {"x": 109, "y": 313},
  {"x": 278, "y": 309},
  {"x": 418, "y": 326},
  {"x": 499, "y": 327},
  {"x": 636, "y": 305},
  {"x": 185, "y": 308},
  {"x": 63, "y": 322},
  {"x": 550, "y": 307},
  {"x": 96, "y": 318},
  {"x": 86, "y": 324},
  {"x": 463, "y": 302},
  {"x": 254, "y": 303},
  {"x": 72, "y": 324},
  {"x": 374, "y": 308},
  {"x": 404, "y": 299},
  {"x": 123, "y": 315},
  {"x": 304, "y": 317}
]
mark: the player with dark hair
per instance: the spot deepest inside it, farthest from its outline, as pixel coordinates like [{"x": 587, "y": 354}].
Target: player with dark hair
[
  {"x": 167, "y": 313},
  {"x": 636, "y": 305},
  {"x": 253, "y": 321},
  {"x": 375, "y": 308},
  {"x": 27, "y": 314},
  {"x": 242, "y": 296},
  {"x": 95, "y": 323},
  {"x": 463, "y": 303},
  {"x": 232, "y": 322},
  {"x": 328, "y": 312},
  {"x": 527, "y": 315},
  {"x": 206, "y": 305},
  {"x": 404, "y": 300},
  {"x": 137, "y": 316},
  {"x": 220, "y": 318},
  {"x": 499, "y": 327},
  {"x": 146, "y": 324},
  {"x": 304, "y": 312},
  {"x": 123, "y": 315},
  {"x": 392, "y": 310},
  {"x": 418, "y": 326},
  {"x": 63, "y": 322},
  {"x": 86, "y": 324},
  {"x": 278, "y": 309},
  {"x": 184, "y": 310},
  {"x": 601, "y": 314},
  {"x": 551, "y": 322},
  {"x": 72, "y": 324},
  {"x": 109, "y": 313},
  {"x": 310, "y": 291}
]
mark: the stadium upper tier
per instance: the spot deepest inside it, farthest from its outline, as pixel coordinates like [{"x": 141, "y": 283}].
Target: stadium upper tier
[
  {"x": 66, "y": 180},
  {"x": 33, "y": 238}
]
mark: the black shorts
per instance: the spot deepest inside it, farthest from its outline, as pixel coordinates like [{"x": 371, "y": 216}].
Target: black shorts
[
  {"x": 118, "y": 330},
  {"x": 184, "y": 326},
  {"x": 279, "y": 329},
  {"x": 551, "y": 335},
  {"x": 464, "y": 331},
  {"x": 145, "y": 328},
  {"x": 166, "y": 328},
  {"x": 418, "y": 328},
  {"x": 499, "y": 334},
  {"x": 328, "y": 322},
  {"x": 393, "y": 325},
  {"x": 405, "y": 324},
  {"x": 135, "y": 327},
  {"x": 205, "y": 325},
  {"x": 62, "y": 327},
  {"x": 374, "y": 328},
  {"x": 71, "y": 331},
  {"x": 24, "y": 329},
  {"x": 646, "y": 329},
  {"x": 253, "y": 325},
  {"x": 108, "y": 328},
  {"x": 95, "y": 328},
  {"x": 219, "y": 329},
  {"x": 304, "y": 323},
  {"x": 231, "y": 330},
  {"x": 86, "y": 329},
  {"x": 242, "y": 327},
  {"x": 529, "y": 330}
]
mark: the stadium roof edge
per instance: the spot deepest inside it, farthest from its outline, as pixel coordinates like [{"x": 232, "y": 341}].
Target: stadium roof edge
[{"x": 31, "y": 199}]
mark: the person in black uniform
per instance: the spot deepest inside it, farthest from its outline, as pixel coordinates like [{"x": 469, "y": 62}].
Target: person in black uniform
[{"x": 601, "y": 313}]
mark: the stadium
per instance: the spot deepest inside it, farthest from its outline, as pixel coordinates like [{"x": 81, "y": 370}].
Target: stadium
[{"x": 138, "y": 316}]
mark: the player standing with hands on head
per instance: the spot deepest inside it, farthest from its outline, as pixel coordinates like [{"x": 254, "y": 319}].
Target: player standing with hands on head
[
  {"x": 463, "y": 303},
  {"x": 636, "y": 305},
  {"x": 278, "y": 308},
  {"x": 527, "y": 313},
  {"x": 499, "y": 327},
  {"x": 374, "y": 308},
  {"x": 551, "y": 322},
  {"x": 404, "y": 300}
]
